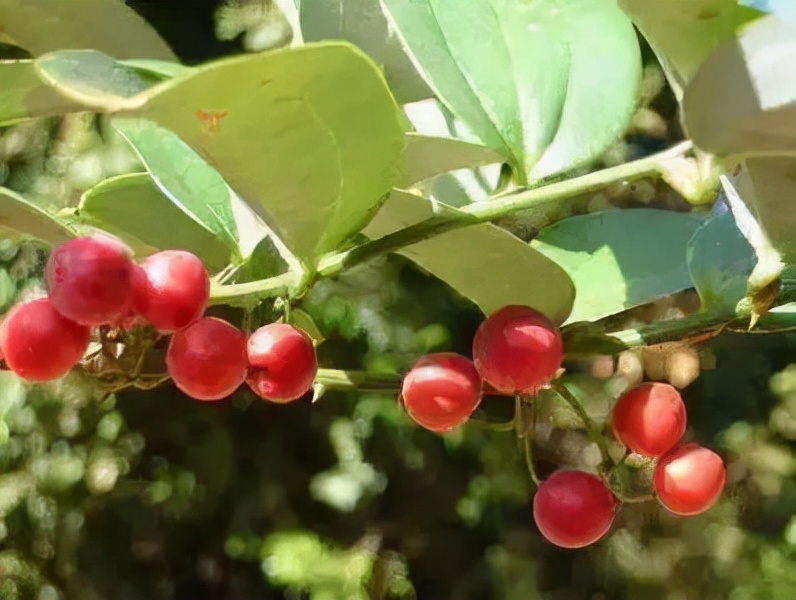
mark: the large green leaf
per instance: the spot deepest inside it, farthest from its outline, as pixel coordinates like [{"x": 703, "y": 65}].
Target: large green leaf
[
  {"x": 619, "y": 259},
  {"x": 309, "y": 136},
  {"x": 684, "y": 33},
  {"x": 549, "y": 84},
  {"x": 720, "y": 260},
  {"x": 482, "y": 262},
  {"x": 20, "y": 217},
  {"x": 110, "y": 26},
  {"x": 132, "y": 207},
  {"x": 428, "y": 156},
  {"x": 24, "y": 96},
  {"x": 743, "y": 99},
  {"x": 362, "y": 22},
  {"x": 184, "y": 177}
]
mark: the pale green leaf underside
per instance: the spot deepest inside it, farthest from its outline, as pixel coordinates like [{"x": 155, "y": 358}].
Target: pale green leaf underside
[
  {"x": 684, "y": 33},
  {"x": 313, "y": 162},
  {"x": 619, "y": 259},
  {"x": 482, "y": 262},
  {"x": 109, "y": 26},
  {"x": 428, "y": 156},
  {"x": 720, "y": 261},
  {"x": 362, "y": 22},
  {"x": 539, "y": 86},
  {"x": 132, "y": 207},
  {"x": 743, "y": 99},
  {"x": 21, "y": 217}
]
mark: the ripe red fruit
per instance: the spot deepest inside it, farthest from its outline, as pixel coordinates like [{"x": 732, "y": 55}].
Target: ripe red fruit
[
  {"x": 170, "y": 289},
  {"x": 207, "y": 359},
  {"x": 689, "y": 480},
  {"x": 517, "y": 350},
  {"x": 39, "y": 343},
  {"x": 573, "y": 509},
  {"x": 282, "y": 362},
  {"x": 441, "y": 391},
  {"x": 88, "y": 279},
  {"x": 650, "y": 418}
]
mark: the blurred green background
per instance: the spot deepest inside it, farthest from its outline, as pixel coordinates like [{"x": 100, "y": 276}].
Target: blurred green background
[{"x": 149, "y": 495}]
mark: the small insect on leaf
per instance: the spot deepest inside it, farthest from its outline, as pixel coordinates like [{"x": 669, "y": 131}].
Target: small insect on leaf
[{"x": 210, "y": 121}]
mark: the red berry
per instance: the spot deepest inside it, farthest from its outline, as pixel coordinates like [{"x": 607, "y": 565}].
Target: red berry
[
  {"x": 517, "y": 350},
  {"x": 441, "y": 391},
  {"x": 170, "y": 289},
  {"x": 649, "y": 419},
  {"x": 282, "y": 362},
  {"x": 39, "y": 343},
  {"x": 689, "y": 479},
  {"x": 89, "y": 279},
  {"x": 573, "y": 509},
  {"x": 207, "y": 359}
]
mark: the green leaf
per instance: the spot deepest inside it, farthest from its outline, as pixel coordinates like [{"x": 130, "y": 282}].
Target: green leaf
[
  {"x": 19, "y": 216},
  {"x": 110, "y": 26},
  {"x": 363, "y": 23},
  {"x": 427, "y": 156},
  {"x": 743, "y": 99},
  {"x": 483, "y": 59},
  {"x": 684, "y": 33},
  {"x": 263, "y": 262},
  {"x": 779, "y": 318},
  {"x": 23, "y": 95},
  {"x": 162, "y": 69},
  {"x": 313, "y": 161},
  {"x": 720, "y": 261},
  {"x": 619, "y": 259},
  {"x": 484, "y": 263},
  {"x": 93, "y": 79},
  {"x": 133, "y": 208},
  {"x": 761, "y": 197},
  {"x": 184, "y": 177},
  {"x": 588, "y": 339},
  {"x": 300, "y": 319}
]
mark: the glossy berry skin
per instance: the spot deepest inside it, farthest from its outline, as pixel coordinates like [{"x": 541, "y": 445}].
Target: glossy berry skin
[
  {"x": 573, "y": 509},
  {"x": 39, "y": 343},
  {"x": 170, "y": 289},
  {"x": 441, "y": 391},
  {"x": 88, "y": 279},
  {"x": 282, "y": 362},
  {"x": 649, "y": 419},
  {"x": 207, "y": 359},
  {"x": 517, "y": 350},
  {"x": 689, "y": 480}
]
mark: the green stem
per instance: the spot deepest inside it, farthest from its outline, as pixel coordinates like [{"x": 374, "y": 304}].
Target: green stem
[
  {"x": 595, "y": 435},
  {"x": 252, "y": 292},
  {"x": 500, "y": 206},
  {"x": 362, "y": 381}
]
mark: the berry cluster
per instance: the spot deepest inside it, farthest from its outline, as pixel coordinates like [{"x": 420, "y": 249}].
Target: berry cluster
[
  {"x": 94, "y": 280},
  {"x": 517, "y": 351}
]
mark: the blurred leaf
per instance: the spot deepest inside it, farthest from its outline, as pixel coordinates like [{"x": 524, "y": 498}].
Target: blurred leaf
[
  {"x": 761, "y": 197},
  {"x": 743, "y": 99},
  {"x": 684, "y": 33},
  {"x": 163, "y": 69},
  {"x": 132, "y": 207},
  {"x": 21, "y": 217},
  {"x": 779, "y": 318},
  {"x": 302, "y": 320},
  {"x": 363, "y": 23},
  {"x": 8, "y": 291},
  {"x": 184, "y": 177},
  {"x": 93, "y": 79},
  {"x": 619, "y": 259},
  {"x": 550, "y": 115},
  {"x": 106, "y": 25},
  {"x": 482, "y": 262},
  {"x": 588, "y": 339},
  {"x": 24, "y": 96},
  {"x": 720, "y": 260},
  {"x": 428, "y": 156},
  {"x": 264, "y": 261}
]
